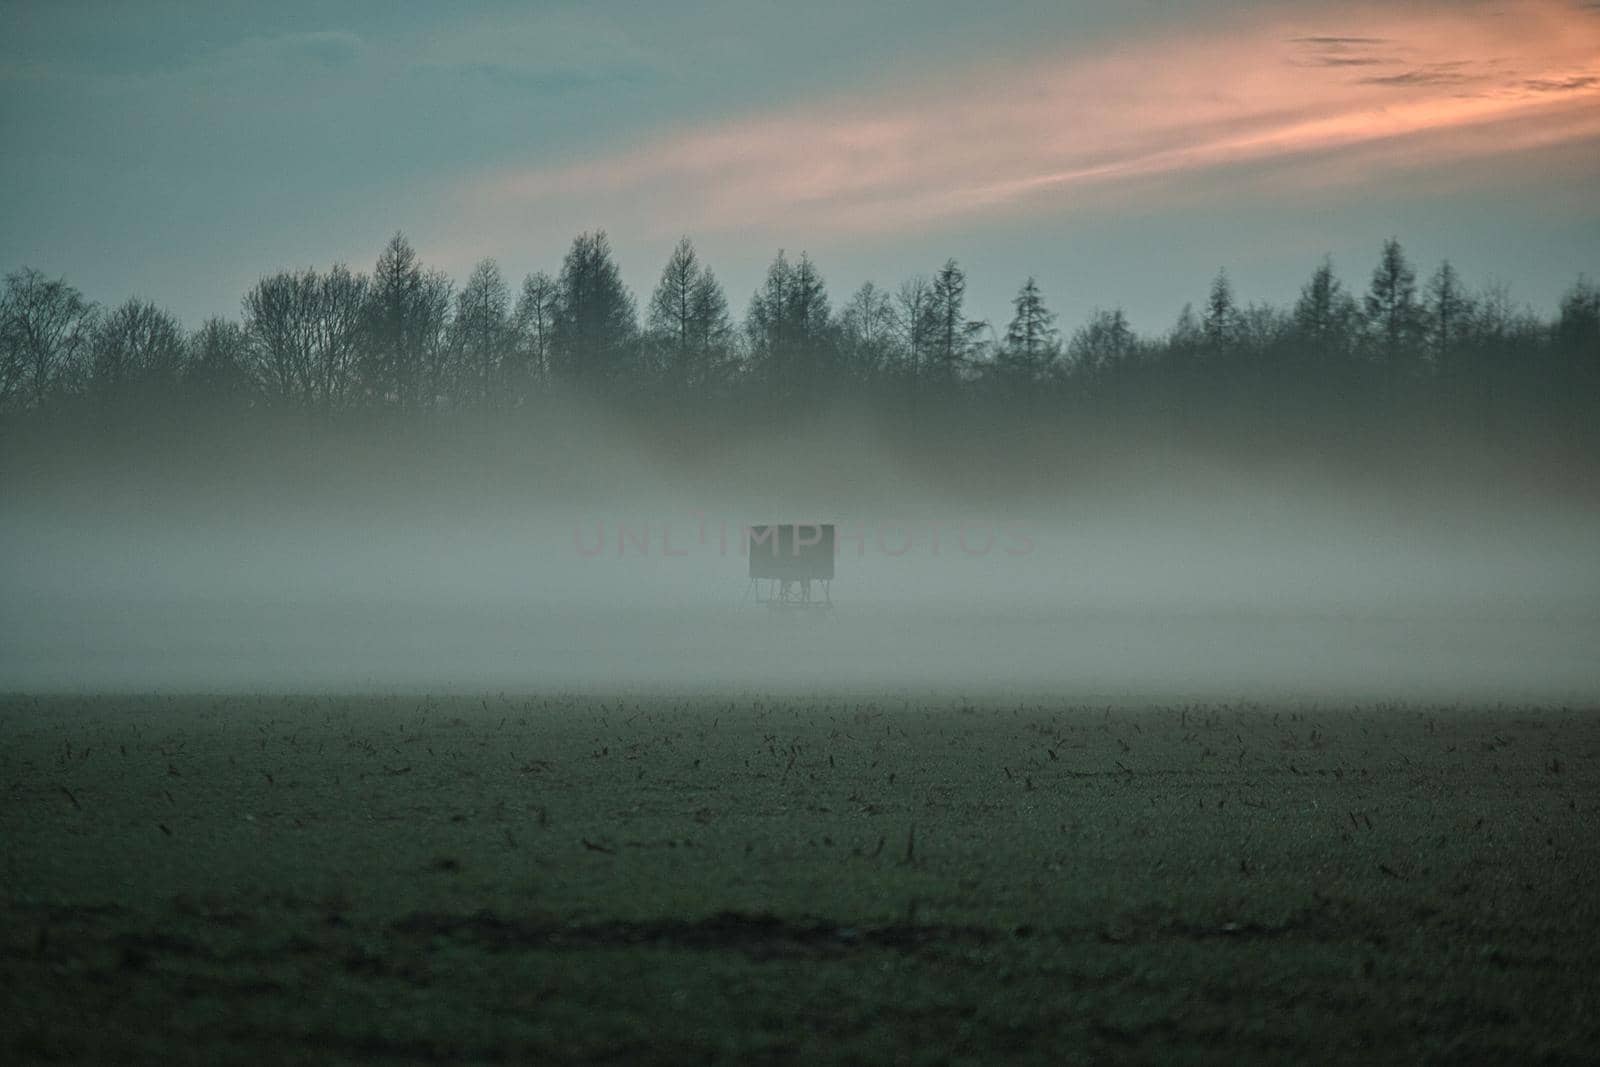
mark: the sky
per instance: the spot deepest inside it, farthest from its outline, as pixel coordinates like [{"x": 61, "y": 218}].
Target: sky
[{"x": 1119, "y": 153}]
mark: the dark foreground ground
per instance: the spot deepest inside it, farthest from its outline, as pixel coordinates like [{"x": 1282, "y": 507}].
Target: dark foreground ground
[{"x": 765, "y": 880}]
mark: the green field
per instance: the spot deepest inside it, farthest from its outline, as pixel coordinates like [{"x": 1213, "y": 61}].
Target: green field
[{"x": 205, "y": 880}]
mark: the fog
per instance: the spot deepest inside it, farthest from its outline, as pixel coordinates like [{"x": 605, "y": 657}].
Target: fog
[{"x": 591, "y": 553}]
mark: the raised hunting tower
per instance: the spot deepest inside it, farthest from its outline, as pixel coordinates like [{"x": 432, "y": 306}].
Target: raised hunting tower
[{"x": 791, "y": 565}]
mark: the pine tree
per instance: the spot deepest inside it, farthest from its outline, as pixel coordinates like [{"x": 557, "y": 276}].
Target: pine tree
[
  {"x": 1325, "y": 315},
  {"x": 1393, "y": 318},
  {"x": 1447, "y": 315},
  {"x": 955, "y": 338},
  {"x": 790, "y": 330},
  {"x": 1577, "y": 331},
  {"x": 688, "y": 321},
  {"x": 594, "y": 342},
  {"x": 482, "y": 334},
  {"x": 1032, "y": 344},
  {"x": 405, "y": 359},
  {"x": 1221, "y": 323},
  {"x": 1576, "y": 343}
]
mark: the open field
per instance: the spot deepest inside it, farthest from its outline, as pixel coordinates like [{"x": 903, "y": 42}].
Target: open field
[{"x": 776, "y": 880}]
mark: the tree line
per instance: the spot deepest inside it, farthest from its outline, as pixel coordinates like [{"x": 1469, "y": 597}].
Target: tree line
[{"x": 406, "y": 338}]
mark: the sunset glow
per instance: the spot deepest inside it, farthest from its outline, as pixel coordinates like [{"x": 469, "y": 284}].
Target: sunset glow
[
  {"x": 1004, "y": 136},
  {"x": 1073, "y": 140}
]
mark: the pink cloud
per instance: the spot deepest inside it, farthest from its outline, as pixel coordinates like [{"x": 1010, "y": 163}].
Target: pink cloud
[{"x": 1400, "y": 88}]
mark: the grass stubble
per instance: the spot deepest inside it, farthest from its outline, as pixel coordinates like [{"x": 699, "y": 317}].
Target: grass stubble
[{"x": 770, "y": 879}]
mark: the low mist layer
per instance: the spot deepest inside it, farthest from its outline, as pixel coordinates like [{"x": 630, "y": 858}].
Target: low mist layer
[{"x": 596, "y": 551}]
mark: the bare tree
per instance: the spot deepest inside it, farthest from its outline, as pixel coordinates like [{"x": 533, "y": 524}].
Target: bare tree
[
  {"x": 337, "y": 337},
  {"x": 916, "y": 325},
  {"x": 45, "y": 327},
  {"x": 281, "y": 314},
  {"x": 869, "y": 333},
  {"x": 218, "y": 369},
  {"x": 439, "y": 368},
  {"x": 535, "y": 320},
  {"x": 1101, "y": 351},
  {"x": 138, "y": 353}
]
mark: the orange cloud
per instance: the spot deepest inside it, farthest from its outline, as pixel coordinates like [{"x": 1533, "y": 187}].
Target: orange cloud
[{"x": 1400, "y": 88}]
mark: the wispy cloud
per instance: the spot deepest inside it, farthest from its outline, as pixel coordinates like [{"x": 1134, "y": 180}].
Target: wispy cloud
[
  {"x": 1431, "y": 75},
  {"x": 542, "y": 81},
  {"x": 1574, "y": 84},
  {"x": 1042, "y": 133},
  {"x": 1328, "y": 51},
  {"x": 1327, "y": 41}
]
